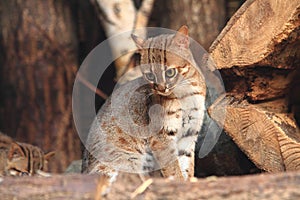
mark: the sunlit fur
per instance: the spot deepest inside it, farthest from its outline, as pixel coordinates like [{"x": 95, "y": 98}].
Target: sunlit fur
[
  {"x": 182, "y": 96},
  {"x": 112, "y": 147}
]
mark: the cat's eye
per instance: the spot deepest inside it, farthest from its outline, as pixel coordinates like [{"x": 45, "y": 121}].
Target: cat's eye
[
  {"x": 150, "y": 76},
  {"x": 170, "y": 73}
]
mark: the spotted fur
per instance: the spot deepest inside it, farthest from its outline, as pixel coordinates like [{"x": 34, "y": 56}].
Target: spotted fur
[
  {"x": 18, "y": 159},
  {"x": 170, "y": 80}
]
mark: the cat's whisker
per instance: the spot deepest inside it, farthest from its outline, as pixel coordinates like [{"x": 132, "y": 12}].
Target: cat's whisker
[{"x": 185, "y": 82}]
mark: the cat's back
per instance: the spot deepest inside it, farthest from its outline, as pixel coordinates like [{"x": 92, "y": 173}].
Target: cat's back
[
  {"x": 21, "y": 158},
  {"x": 5, "y": 142},
  {"x": 117, "y": 130},
  {"x": 128, "y": 103}
]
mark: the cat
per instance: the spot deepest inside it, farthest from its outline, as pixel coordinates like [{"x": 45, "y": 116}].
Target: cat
[
  {"x": 19, "y": 159},
  {"x": 150, "y": 125}
]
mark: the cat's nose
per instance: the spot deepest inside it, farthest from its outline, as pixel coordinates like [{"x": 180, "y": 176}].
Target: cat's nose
[{"x": 159, "y": 87}]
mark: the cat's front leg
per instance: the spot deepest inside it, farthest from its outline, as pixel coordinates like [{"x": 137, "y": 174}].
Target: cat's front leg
[
  {"x": 186, "y": 148},
  {"x": 192, "y": 122},
  {"x": 173, "y": 118},
  {"x": 165, "y": 153},
  {"x": 172, "y": 125}
]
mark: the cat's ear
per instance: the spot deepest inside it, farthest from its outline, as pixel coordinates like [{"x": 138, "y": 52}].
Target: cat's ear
[
  {"x": 15, "y": 150},
  {"x": 49, "y": 155},
  {"x": 181, "y": 38},
  {"x": 139, "y": 42}
]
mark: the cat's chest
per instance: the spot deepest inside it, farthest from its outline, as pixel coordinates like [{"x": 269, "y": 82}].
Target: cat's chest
[{"x": 178, "y": 115}]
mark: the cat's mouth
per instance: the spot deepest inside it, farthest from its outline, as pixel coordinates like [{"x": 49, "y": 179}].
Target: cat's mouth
[{"x": 165, "y": 92}]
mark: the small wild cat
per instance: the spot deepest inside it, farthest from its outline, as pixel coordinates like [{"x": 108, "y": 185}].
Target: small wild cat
[
  {"x": 161, "y": 139},
  {"x": 18, "y": 159}
]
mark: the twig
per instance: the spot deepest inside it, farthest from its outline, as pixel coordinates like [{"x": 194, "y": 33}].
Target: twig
[
  {"x": 141, "y": 188},
  {"x": 91, "y": 86}
]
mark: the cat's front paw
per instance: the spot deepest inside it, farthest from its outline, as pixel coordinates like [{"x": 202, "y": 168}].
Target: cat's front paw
[{"x": 170, "y": 131}]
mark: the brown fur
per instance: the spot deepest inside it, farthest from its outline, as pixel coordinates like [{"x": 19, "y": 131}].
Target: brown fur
[
  {"x": 170, "y": 80},
  {"x": 19, "y": 159}
]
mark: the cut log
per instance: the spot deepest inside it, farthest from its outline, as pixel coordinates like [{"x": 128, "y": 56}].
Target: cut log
[
  {"x": 270, "y": 139},
  {"x": 258, "y": 49},
  {"x": 258, "y": 54},
  {"x": 283, "y": 186},
  {"x": 261, "y": 33}
]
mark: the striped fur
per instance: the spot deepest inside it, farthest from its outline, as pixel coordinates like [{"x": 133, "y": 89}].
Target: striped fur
[
  {"x": 171, "y": 81},
  {"x": 18, "y": 159}
]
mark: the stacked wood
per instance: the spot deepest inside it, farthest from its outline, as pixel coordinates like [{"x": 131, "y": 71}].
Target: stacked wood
[
  {"x": 270, "y": 139},
  {"x": 258, "y": 56},
  {"x": 258, "y": 51},
  {"x": 261, "y": 33}
]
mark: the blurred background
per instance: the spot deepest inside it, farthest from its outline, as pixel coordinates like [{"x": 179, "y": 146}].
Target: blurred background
[{"x": 43, "y": 43}]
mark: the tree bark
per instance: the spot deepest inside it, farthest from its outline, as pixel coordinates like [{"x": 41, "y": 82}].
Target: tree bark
[
  {"x": 39, "y": 61},
  {"x": 265, "y": 186},
  {"x": 205, "y": 19}
]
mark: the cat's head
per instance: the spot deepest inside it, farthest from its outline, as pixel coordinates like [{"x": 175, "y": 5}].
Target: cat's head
[
  {"x": 165, "y": 60},
  {"x": 25, "y": 159}
]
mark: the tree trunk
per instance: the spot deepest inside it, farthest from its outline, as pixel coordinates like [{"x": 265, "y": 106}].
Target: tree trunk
[
  {"x": 38, "y": 65},
  {"x": 205, "y": 19}
]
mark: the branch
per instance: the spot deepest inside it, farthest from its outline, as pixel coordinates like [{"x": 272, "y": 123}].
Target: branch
[
  {"x": 121, "y": 17},
  {"x": 143, "y": 14}
]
